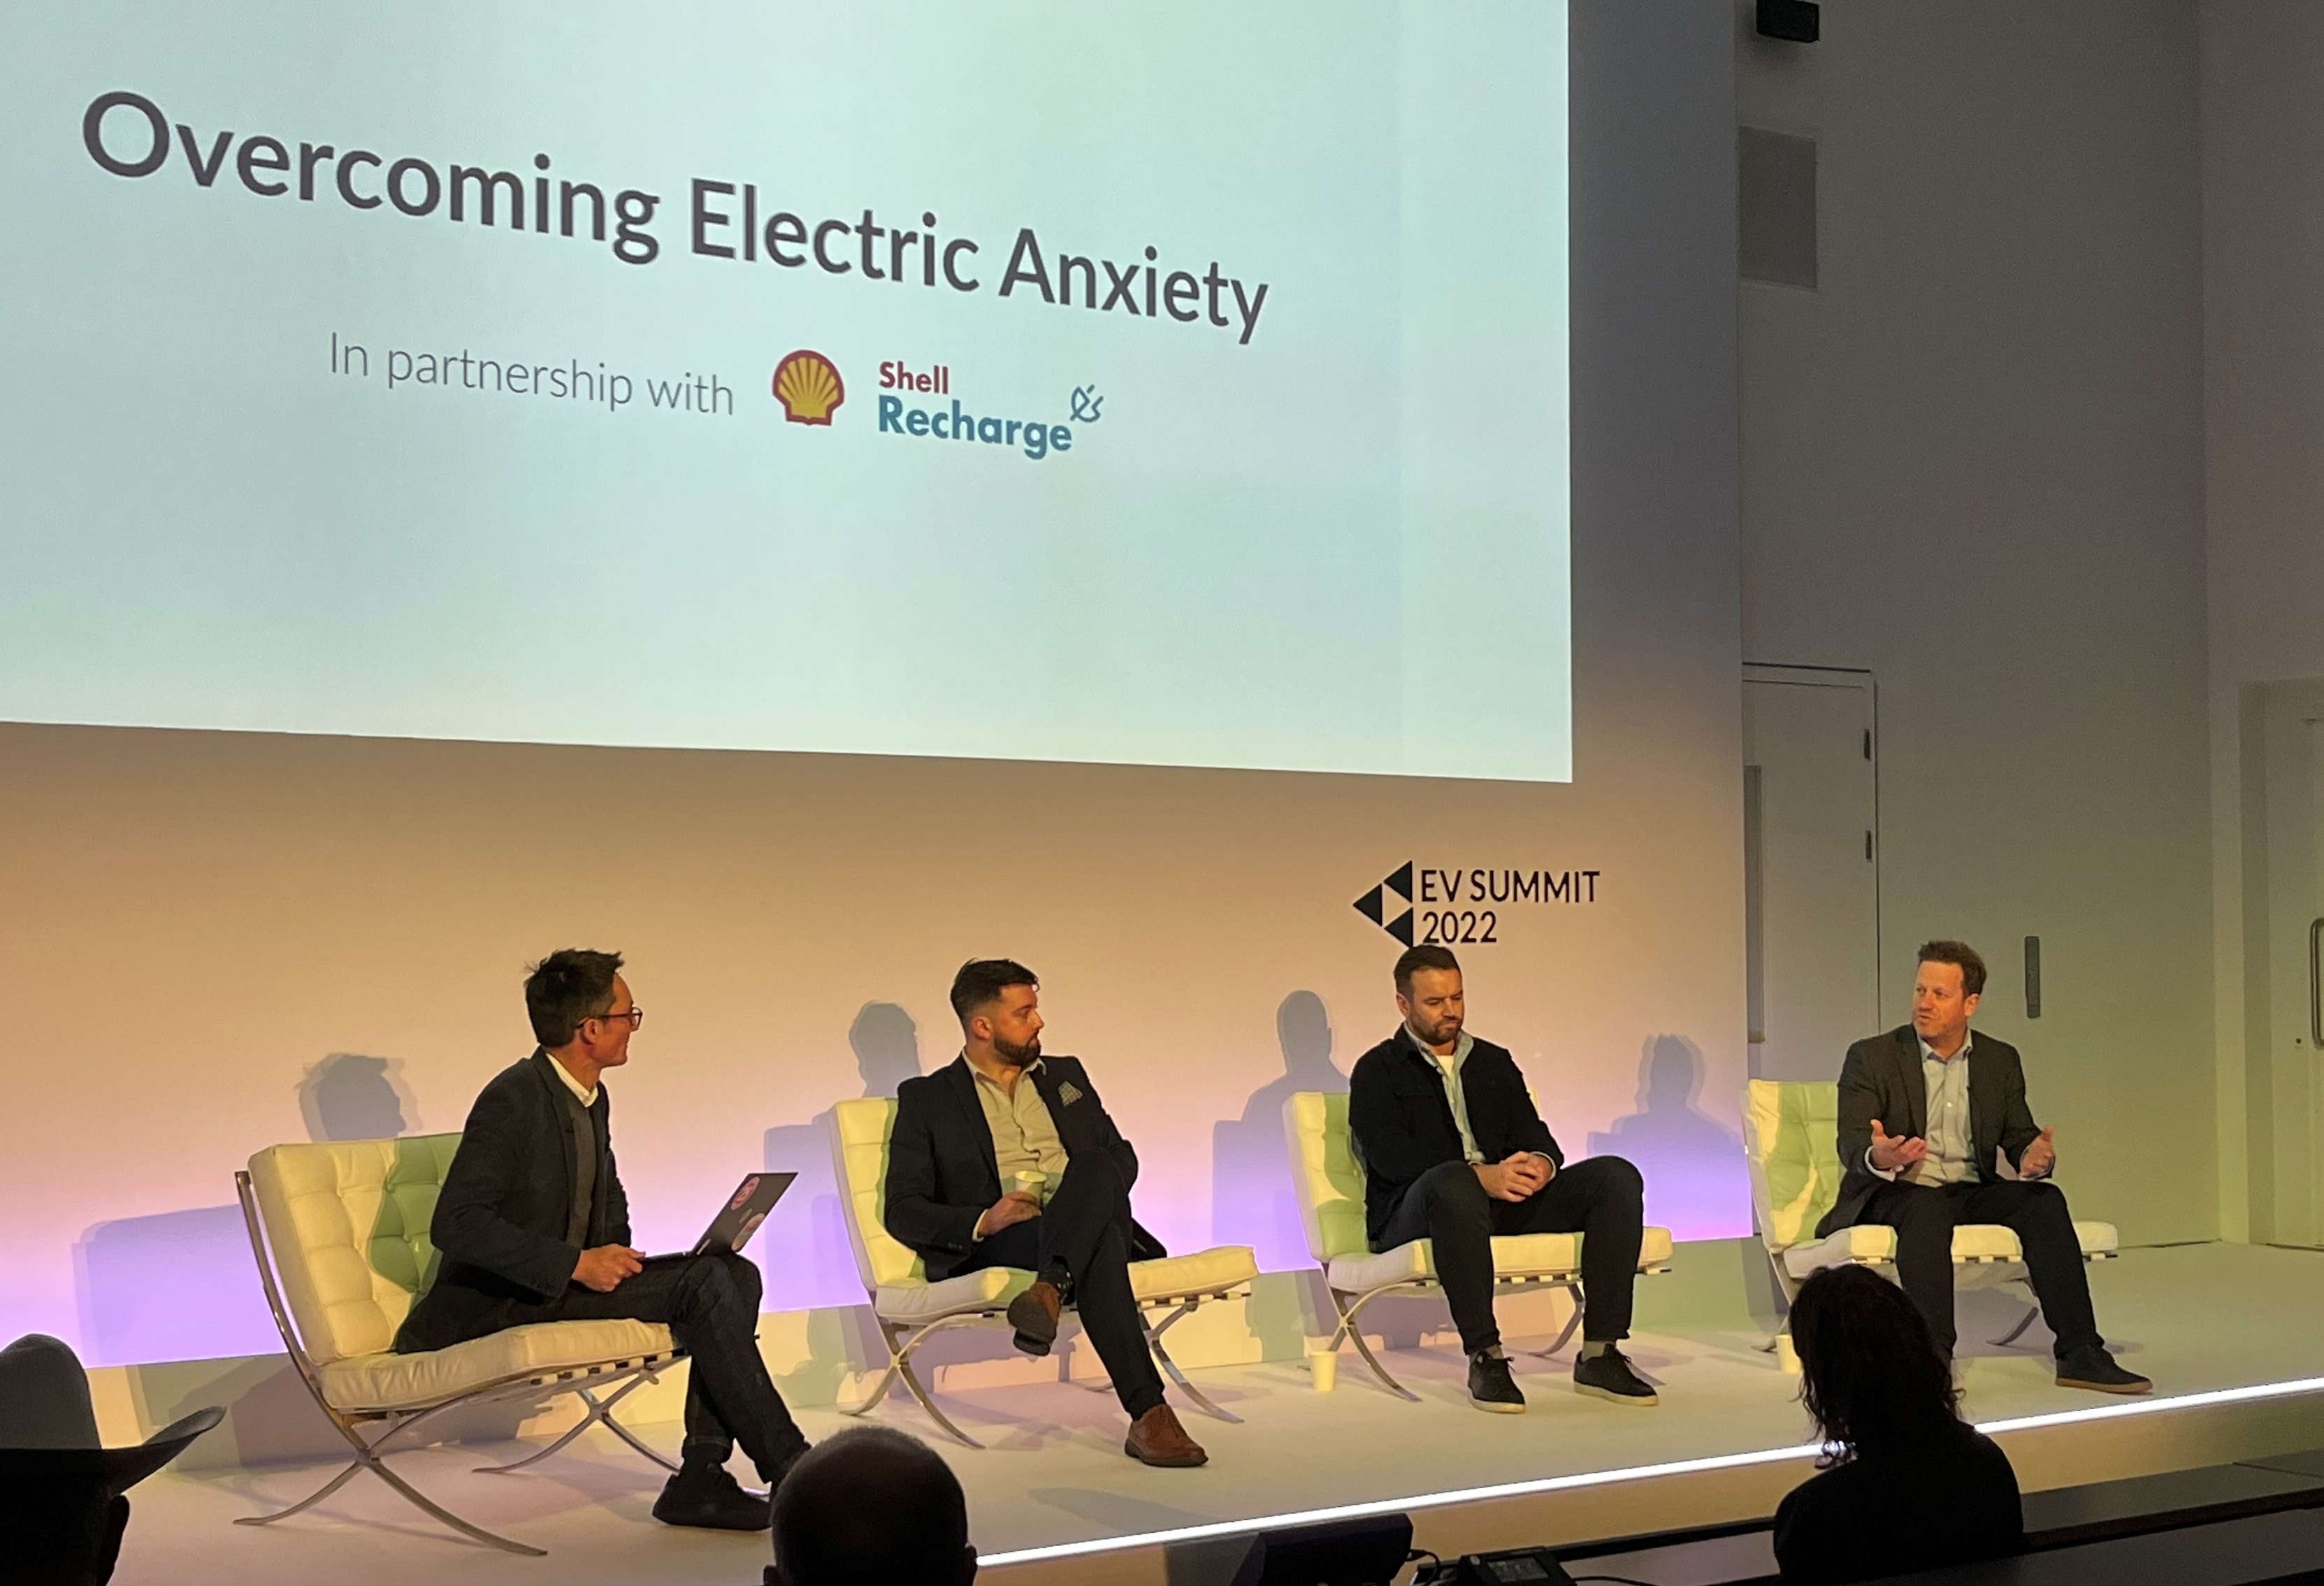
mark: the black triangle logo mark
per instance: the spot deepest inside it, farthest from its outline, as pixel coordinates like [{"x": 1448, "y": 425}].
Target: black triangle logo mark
[
  {"x": 1399, "y": 881},
  {"x": 1400, "y": 927},
  {"x": 1369, "y": 905}
]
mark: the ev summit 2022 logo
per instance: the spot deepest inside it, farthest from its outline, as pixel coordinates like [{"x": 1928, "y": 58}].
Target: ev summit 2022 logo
[
  {"x": 1465, "y": 905},
  {"x": 811, "y": 389}
]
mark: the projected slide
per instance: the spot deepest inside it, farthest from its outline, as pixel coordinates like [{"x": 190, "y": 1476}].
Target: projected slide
[{"x": 1177, "y": 383}]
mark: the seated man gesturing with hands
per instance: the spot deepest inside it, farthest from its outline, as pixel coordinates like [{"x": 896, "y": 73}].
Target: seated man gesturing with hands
[{"x": 1952, "y": 1102}]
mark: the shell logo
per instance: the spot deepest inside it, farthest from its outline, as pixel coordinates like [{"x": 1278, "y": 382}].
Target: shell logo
[{"x": 809, "y": 386}]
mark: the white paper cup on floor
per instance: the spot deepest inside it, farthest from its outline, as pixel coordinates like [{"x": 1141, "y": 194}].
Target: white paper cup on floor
[{"x": 1322, "y": 1366}]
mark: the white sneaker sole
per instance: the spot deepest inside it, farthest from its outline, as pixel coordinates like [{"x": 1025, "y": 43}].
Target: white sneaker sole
[{"x": 1491, "y": 1407}]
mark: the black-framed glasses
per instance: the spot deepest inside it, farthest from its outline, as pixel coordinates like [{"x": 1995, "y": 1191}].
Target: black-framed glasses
[{"x": 635, "y": 1017}]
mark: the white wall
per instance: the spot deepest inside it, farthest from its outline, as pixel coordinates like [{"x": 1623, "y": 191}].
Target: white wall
[
  {"x": 2263, "y": 375},
  {"x": 1972, "y": 464}
]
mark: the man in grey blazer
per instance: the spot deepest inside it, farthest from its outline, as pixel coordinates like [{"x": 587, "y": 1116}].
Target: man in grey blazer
[{"x": 1923, "y": 1111}]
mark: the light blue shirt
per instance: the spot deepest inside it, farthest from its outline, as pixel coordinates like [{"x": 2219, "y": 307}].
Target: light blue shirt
[{"x": 1448, "y": 1067}]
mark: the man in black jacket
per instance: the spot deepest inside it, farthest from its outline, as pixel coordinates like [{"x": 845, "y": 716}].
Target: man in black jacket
[
  {"x": 532, "y": 1225},
  {"x": 1954, "y": 1100},
  {"x": 1453, "y": 1152},
  {"x": 1006, "y": 1158}
]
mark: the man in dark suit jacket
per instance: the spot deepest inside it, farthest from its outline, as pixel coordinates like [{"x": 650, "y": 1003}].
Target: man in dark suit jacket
[
  {"x": 1006, "y": 1158},
  {"x": 532, "y": 1225},
  {"x": 1923, "y": 1111},
  {"x": 1453, "y": 1152}
]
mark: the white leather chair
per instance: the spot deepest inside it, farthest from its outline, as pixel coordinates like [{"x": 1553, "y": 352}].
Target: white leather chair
[
  {"x": 340, "y": 1233},
  {"x": 1790, "y": 1136},
  {"x": 909, "y": 1308},
  {"x": 1331, "y": 1182}
]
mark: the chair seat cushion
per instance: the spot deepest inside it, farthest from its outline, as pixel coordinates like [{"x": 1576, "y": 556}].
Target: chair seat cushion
[
  {"x": 412, "y": 1382},
  {"x": 1222, "y": 1267},
  {"x": 1515, "y": 1255},
  {"x": 1972, "y": 1241},
  {"x": 989, "y": 1288}
]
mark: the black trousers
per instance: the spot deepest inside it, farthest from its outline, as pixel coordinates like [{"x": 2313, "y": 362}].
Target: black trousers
[
  {"x": 1084, "y": 1229},
  {"x": 1923, "y": 1216},
  {"x": 711, "y": 1306},
  {"x": 1602, "y": 1199}
]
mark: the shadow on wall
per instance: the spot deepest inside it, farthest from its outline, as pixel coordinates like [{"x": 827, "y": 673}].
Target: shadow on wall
[
  {"x": 1697, "y": 1185},
  {"x": 1252, "y": 1199},
  {"x": 351, "y": 1097},
  {"x": 183, "y": 1285},
  {"x": 803, "y": 1251}
]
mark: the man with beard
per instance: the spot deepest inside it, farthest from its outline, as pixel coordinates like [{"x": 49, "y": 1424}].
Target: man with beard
[
  {"x": 1006, "y": 1158},
  {"x": 1453, "y": 1152}
]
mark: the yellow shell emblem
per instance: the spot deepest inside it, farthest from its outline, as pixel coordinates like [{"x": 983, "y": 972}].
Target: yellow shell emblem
[{"x": 809, "y": 386}]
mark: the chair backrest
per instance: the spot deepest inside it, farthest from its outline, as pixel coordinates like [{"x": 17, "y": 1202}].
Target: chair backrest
[
  {"x": 859, "y": 1154},
  {"x": 1790, "y": 1130},
  {"x": 348, "y": 1221},
  {"x": 1329, "y": 1178}
]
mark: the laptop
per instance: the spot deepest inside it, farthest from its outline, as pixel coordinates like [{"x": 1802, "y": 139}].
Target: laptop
[{"x": 739, "y": 1218}]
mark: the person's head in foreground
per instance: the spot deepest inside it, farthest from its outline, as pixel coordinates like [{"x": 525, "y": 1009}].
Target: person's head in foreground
[
  {"x": 64, "y": 1504},
  {"x": 1870, "y": 1375},
  {"x": 871, "y": 1504}
]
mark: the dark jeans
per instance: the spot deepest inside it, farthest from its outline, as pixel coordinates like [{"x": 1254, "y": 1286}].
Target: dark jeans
[
  {"x": 1084, "y": 1228},
  {"x": 711, "y": 1305},
  {"x": 1602, "y": 1199},
  {"x": 1923, "y": 1216}
]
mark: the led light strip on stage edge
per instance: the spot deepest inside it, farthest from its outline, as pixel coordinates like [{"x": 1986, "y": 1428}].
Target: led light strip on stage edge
[{"x": 1729, "y": 1462}]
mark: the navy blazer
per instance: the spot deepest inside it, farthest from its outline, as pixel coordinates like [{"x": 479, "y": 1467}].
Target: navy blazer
[
  {"x": 1882, "y": 1078},
  {"x": 500, "y": 1220},
  {"x": 943, "y": 1175},
  {"x": 1402, "y": 1125}
]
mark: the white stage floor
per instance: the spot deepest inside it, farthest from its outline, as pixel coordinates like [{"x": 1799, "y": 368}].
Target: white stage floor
[{"x": 2195, "y": 1318}]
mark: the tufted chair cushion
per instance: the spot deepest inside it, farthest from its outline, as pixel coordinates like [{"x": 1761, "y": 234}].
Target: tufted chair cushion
[
  {"x": 348, "y": 1222},
  {"x": 859, "y": 1146},
  {"x": 1790, "y": 1134},
  {"x": 1330, "y": 1180}
]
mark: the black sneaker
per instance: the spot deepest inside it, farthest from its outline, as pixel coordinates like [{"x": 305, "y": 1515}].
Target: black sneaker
[
  {"x": 1609, "y": 1376},
  {"x": 1491, "y": 1387},
  {"x": 707, "y": 1496},
  {"x": 2095, "y": 1369}
]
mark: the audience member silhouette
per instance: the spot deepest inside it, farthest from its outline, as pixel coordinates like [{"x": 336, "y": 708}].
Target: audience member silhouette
[
  {"x": 1883, "y": 1397},
  {"x": 871, "y": 1504}
]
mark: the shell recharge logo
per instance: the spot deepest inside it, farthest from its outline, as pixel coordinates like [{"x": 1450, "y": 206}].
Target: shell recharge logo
[{"x": 809, "y": 386}]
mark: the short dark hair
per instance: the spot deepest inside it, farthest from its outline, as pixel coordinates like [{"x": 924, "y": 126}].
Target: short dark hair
[
  {"x": 569, "y": 985},
  {"x": 1870, "y": 1373},
  {"x": 869, "y": 1503},
  {"x": 1972, "y": 968},
  {"x": 981, "y": 982},
  {"x": 57, "y": 1525},
  {"x": 1427, "y": 955}
]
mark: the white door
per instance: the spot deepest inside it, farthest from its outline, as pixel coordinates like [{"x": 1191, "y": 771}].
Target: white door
[
  {"x": 2284, "y": 982},
  {"x": 1810, "y": 868}
]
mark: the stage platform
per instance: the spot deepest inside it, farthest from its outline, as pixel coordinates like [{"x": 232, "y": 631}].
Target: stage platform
[{"x": 2229, "y": 1333}]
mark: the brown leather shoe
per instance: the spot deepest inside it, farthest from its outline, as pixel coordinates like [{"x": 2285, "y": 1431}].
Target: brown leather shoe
[
  {"x": 1157, "y": 1438},
  {"x": 1034, "y": 1315}
]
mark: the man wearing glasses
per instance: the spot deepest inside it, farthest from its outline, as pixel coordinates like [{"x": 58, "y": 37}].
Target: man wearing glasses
[{"x": 533, "y": 1226}]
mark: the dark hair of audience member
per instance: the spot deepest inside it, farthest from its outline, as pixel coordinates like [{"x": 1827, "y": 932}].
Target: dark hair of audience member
[
  {"x": 981, "y": 982},
  {"x": 57, "y": 1528},
  {"x": 1427, "y": 955},
  {"x": 871, "y": 1504},
  {"x": 1870, "y": 1375},
  {"x": 569, "y": 985}
]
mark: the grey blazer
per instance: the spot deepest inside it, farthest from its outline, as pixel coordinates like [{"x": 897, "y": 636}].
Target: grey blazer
[{"x": 1882, "y": 1079}]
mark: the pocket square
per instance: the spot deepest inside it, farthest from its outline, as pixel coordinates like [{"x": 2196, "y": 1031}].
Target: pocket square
[{"x": 1068, "y": 1092}]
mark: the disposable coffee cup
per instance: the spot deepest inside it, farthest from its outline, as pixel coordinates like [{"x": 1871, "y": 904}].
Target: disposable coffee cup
[
  {"x": 1035, "y": 1185},
  {"x": 1322, "y": 1366}
]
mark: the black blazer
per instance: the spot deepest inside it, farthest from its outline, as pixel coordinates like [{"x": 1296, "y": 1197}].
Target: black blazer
[
  {"x": 1845, "y": 1525},
  {"x": 1882, "y": 1079},
  {"x": 943, "y": 1175},
  {"x": 1403, "y": 1126},
  {"x": 499, "y": 1227}
]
